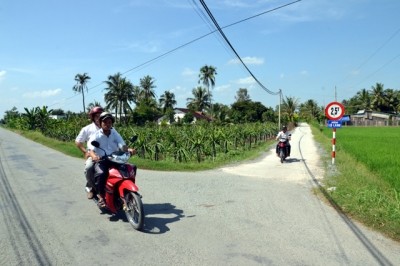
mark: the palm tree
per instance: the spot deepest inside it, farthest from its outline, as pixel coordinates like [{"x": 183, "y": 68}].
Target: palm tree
[
  {"x": 80, "y": 86},
  {"x": 310, "y": 109},
  {"x": 119, "y": 94},
  {"x": 147, "y": 88},
  {"x": 378, "y": 97},
  {"x": 391, "y": 100},
  {"x": 167, "y": 101},
  {"x": 207, "y": 78},
  {"x": 364, "y": 98},
  {"x": 290, "y": 105},
  {"x": 136, "y": 94},
  {"x": 200, "y": 101},
  {"x": 91, "y": 105}
]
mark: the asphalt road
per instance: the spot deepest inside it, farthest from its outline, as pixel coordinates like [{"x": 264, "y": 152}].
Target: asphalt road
[{"x": 258, "y": 213}]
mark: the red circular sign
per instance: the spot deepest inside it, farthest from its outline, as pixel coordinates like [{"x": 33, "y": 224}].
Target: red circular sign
[{"x": 334, "y": 111}]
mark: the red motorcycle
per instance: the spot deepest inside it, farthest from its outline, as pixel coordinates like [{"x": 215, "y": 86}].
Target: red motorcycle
[
  {"x": 121, "y": 189},
  {"x": 283, "y": 148}
]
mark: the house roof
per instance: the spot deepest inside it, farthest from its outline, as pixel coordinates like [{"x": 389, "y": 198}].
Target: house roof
[{"x": 197, "y": 114}]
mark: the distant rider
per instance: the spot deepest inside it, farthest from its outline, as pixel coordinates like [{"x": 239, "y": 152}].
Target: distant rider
[{"x": 283, "y": 136}]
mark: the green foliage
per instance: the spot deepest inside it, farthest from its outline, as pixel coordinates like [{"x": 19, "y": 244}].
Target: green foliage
[{"x": 198, "y": 142}]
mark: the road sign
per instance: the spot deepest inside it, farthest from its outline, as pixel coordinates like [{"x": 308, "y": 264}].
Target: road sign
[
  {"x": 334, "y": 111},
  {"x": 345, "y": 118},
  {"x": 334, "y": 124}
]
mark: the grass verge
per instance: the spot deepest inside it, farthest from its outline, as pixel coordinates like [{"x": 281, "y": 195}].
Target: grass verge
[{"x": 360, "y": 192}]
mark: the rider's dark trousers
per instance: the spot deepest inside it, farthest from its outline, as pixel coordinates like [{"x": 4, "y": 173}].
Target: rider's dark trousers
[{"x": 100, "y": 176}]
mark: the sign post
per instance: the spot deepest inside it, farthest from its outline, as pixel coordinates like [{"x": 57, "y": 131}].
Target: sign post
[{"x": 334, "y": 111}]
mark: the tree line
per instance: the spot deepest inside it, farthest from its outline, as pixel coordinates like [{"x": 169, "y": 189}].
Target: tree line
[{"x": 376, "y": 99}]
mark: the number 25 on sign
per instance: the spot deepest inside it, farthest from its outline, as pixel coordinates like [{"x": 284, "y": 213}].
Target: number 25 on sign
[{"x": 334, "y": 111}]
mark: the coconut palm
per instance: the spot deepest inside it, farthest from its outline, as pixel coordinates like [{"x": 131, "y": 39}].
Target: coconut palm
[
  {"x": 91, "y": 105},
  {"x": 80, "y": 86},
  {"x": 119, "y": 94},
  {"x": 378, "y": 97},
  {"x": 364, "y": 98},
  {"x": 289, "y": 107},
  {"x": 391, "y": 100},
  {"x": 167, "y": 101},
  {"x": 200, "y": 101},
  {"x": 147, "y": 88},
  {"x": 207, "y": 78}
]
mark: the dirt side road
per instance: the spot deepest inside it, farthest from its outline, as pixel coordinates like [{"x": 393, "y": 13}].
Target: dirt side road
[{"x": 258, "y": 213}]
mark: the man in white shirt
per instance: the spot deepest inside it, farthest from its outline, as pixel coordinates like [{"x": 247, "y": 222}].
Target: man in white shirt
[
  {"x": 284, "y": 136},
  {"x": 81, "y": 142},
  {"x": 110, "y": 141}
]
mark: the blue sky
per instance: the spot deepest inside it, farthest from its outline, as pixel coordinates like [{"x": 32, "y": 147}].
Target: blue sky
[{"x": 306, "y": 49}]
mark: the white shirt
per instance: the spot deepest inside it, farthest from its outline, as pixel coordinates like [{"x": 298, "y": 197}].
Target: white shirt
[
  {"x": 86, "y": 132},
  {"x": 283, "y": 136},
  {"x": 108, "y": 143}
]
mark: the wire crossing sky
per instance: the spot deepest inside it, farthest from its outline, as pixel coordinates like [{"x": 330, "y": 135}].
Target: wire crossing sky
[{"x": 304, "y": 48}]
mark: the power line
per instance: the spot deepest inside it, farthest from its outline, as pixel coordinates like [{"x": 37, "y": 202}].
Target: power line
[
  {"x": 144, "y": 64},
  {"x": 233, "y": 49},
  {"x": 371, "y": 56}
]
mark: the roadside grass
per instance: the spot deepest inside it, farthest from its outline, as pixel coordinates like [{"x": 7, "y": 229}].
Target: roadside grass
[
  {"x": 365, "y": 179},
  {"x": 231, "y": 157}
]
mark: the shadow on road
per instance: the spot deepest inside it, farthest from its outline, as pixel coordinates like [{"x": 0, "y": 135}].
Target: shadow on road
[
  {"x": 159, "y": 215},
  {"x": 293, "y": 160}
]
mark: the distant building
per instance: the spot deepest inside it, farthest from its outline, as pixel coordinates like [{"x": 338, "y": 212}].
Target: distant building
[
  {"x": 179, "y": 113},
  {"x": 57, "y": 117},
  {"x": 374, "y": 118}
]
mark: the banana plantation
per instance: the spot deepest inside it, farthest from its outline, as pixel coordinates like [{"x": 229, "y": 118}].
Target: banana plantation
[{"x": 181, "y": 143}]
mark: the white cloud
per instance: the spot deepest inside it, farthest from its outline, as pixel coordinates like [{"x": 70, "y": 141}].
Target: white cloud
[
  {"x": 223, "y": 88},
  {"x": 236, "y": 3},
  {"x": 2, "y": 74},
  {"x": 41, "y": 94},
  {"x": 145, "y": 47},
  {"x": 187, "y": 72},
  {"x": 248, "y": 61},
  {"x": 304, "y": 72},
  {"x": 246, "y": 81},
  {"x": 355, "y": 72}
]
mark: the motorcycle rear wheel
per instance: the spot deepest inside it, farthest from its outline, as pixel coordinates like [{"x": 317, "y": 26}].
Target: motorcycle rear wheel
[
  {"x": 282, "y": 155},
  {"x": 134, "y": 212}
]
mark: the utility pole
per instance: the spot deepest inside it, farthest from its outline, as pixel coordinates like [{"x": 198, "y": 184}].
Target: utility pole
[
  {"x": 335, "y": 95},
  {"x": 279, "y": 109}
]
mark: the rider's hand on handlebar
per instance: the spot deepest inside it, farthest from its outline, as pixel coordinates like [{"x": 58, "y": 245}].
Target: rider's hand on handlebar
[
  {"x": 132, "y": 151},
  {"x": 95, "y": 158}
]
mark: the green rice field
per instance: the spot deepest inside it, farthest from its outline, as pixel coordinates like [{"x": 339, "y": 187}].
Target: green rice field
[
  {"x": 367, "y": 174},
  {"x": 378, "y": 148}
]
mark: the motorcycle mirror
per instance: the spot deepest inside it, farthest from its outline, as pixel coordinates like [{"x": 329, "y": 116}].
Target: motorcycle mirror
[{"x": 95, "y": 143}]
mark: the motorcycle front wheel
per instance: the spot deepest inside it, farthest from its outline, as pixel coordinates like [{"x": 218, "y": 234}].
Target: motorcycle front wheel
[{"x": 134, "y": 211}]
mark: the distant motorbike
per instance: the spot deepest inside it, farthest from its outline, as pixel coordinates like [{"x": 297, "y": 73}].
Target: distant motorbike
[
  {"x": 283, "y": 148},
  {"x": 121, "y": 189}
]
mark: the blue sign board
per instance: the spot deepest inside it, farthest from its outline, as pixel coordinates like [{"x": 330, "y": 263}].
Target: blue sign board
[
  {"x": 334, "y": 124},
  {"x": 345, "y": 118}
]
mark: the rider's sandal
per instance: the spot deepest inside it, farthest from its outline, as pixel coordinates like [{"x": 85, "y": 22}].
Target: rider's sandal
[{"x": 101, "y": 203}]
